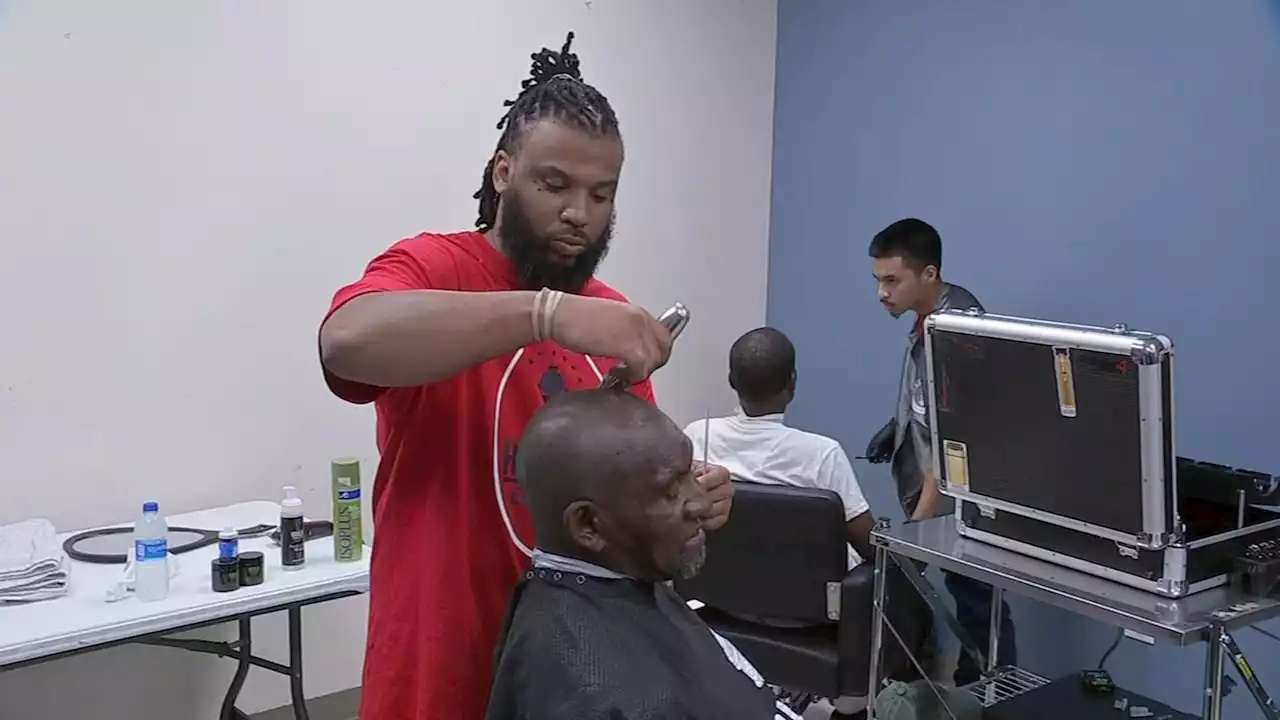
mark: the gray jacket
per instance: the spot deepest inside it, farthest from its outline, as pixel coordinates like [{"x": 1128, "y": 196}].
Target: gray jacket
[{"x": 912, "y": 439}]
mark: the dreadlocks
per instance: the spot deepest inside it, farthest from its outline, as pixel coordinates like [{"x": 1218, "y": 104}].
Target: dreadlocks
[{"x": 554, "y": 90}]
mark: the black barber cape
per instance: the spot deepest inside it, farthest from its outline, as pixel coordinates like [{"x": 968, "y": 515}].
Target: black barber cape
[{"x": 577, "y": 647}]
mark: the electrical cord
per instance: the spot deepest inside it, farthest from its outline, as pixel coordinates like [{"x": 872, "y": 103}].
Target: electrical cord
[
  {"x": 1102, "y": 664},
  {"x": 1271, "y": 635},
  {"x": 201, "y": 537},
  {"x": 1228, "y": 683}
]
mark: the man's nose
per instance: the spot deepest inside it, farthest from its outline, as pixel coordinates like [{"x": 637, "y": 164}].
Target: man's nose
[
  {"x": 575, "y": 213},
  {"x": 699, "y": 504}
]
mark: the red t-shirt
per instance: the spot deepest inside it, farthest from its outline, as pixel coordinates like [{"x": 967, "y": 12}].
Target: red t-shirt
[{"x": 446, "y": 506}]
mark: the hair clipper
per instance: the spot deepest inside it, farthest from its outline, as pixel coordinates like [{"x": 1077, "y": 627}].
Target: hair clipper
[{"x": 674, "y": 320}]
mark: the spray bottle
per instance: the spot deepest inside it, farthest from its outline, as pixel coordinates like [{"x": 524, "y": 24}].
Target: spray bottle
[
  {"x": 348, "y": 538},
  {"x": 293, "y": 534}
]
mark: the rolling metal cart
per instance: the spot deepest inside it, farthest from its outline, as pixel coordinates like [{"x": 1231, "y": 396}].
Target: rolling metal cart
[{"x": 1209, "y": 616}]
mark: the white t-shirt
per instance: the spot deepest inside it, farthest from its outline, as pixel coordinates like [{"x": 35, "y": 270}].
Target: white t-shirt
[{"x": 764, "y": 450}]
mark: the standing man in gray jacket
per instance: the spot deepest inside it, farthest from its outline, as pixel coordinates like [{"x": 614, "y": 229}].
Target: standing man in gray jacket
[{"x": 907, "y": 263}]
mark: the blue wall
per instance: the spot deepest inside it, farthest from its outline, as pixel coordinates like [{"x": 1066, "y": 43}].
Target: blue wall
[{"x": 1097, "y": 162}]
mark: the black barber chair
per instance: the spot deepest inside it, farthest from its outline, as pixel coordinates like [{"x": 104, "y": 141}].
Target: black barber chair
[{"x": 782, "y": 555}]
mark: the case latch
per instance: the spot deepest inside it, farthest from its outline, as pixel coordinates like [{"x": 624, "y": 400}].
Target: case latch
[{"x": 987, "y": 512}]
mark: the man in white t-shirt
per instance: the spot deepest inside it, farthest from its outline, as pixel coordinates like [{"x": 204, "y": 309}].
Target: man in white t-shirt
[{"x": 755, "y": 445}]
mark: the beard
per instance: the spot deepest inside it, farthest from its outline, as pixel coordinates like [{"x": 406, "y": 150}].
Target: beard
[
  {"x": 692, "y": 560},
  {"x": 531, "y": 254}
]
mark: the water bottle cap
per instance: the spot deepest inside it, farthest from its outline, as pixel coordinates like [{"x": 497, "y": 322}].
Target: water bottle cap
[{"x": 150, "y": 507}]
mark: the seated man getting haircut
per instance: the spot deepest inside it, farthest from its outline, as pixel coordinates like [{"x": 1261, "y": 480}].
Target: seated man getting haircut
[
  {"x": 757, "y": 446},
  {"x": 594, "y": 632}
]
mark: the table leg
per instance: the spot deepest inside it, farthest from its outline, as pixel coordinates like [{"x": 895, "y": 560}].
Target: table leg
[
  {"x": 244, "y": 655},
  {"x": 1213, "y": 675},
  {"x": 997, "y": 618},
  {"x": 877, "y": 630},
  {"x": 1260, "y": 695},
  {"x": 993, "y": 644},
  {"x": 295, "y": 663}
]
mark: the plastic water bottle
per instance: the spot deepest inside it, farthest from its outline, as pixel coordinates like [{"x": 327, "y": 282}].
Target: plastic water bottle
[{"x": 151, "y": 555}]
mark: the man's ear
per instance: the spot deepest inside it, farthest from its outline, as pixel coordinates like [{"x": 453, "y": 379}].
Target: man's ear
[
  {"x": 930, "y": 273},
  {"x": 582, "y": 521},
  {"x": 501, "y": 171}
]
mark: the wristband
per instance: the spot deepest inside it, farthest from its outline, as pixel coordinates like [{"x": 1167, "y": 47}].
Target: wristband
[
  {"x": 549, "y": 314},
  {"x": 535, "y": 314},
  {"x": 543, "y": 313}
]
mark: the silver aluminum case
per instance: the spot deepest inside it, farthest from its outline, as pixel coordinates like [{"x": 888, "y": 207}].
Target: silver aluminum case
[
  {"x": 1172, "y": 582},
  {"x": 1147, "y": 350}
]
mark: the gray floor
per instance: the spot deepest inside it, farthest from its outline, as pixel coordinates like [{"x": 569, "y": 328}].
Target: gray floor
[
  {"x": 346, "y": 704},
  {"x": 339, "y": 706}
]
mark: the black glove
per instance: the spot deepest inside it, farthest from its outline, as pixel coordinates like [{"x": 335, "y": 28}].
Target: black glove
[{"x": 880, "y": 449}]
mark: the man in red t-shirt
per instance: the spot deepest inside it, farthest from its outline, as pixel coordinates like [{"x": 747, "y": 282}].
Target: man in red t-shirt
[{"x": 458, "y": 339}]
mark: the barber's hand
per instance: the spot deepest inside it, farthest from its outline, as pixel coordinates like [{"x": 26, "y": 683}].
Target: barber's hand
[
  {"x": 716, "y": 484},
  {"x": 613, "y": 329},
  {"x": 880, "y": 449}
]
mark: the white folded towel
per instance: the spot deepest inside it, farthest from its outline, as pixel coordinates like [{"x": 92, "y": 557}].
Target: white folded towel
[{"x": 32, "y": 564}]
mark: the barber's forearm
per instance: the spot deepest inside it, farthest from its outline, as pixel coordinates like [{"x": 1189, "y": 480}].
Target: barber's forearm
[
  {"x": 412, "y": 338},
  {"x": 927, "y": 506}
]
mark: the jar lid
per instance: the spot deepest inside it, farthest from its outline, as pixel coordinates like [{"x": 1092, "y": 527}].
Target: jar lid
[
  {"x": 225, "y": 575},
  {"x": 252, "y": 568}
]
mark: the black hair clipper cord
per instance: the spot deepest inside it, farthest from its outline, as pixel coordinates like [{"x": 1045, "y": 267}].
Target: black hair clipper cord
[{"x": 1257, "y": 572}]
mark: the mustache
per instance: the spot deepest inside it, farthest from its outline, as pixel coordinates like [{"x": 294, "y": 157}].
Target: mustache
[
  {"x": 893, "y": 312},
  {"x": 529, "y": 250}
]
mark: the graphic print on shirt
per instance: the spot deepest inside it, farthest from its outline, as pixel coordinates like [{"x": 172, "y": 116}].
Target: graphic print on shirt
[
  {"x": 918, "y": 407},
  {"x": 533, "y": 376},
  {"x": 549, "y": 385}
]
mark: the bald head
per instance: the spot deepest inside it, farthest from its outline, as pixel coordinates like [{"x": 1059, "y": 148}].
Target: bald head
[
  {"x": 762, "y": 366},
  {"x": 606, "y": 473},
  {"x": 582, "y": 444}
]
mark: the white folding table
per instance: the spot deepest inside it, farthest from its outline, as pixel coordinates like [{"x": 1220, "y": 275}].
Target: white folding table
[{"x": 83, "y": 621}]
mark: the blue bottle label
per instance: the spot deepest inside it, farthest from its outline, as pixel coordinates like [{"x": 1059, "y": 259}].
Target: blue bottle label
[
  {"x": 228, "y": 549},
  {"x": 154, "y": 549},
  {"x": 349, "y": 494}
]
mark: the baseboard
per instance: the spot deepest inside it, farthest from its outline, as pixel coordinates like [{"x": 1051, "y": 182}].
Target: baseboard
[{"x": 342, "y": 705}]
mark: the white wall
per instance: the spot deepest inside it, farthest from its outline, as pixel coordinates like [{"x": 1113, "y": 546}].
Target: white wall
[{"x": 184, "y": 184}]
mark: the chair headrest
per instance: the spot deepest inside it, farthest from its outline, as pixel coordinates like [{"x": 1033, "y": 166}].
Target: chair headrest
[
  {"x": 779, "y": 549},
  {"x": 817, "y": 512}
]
